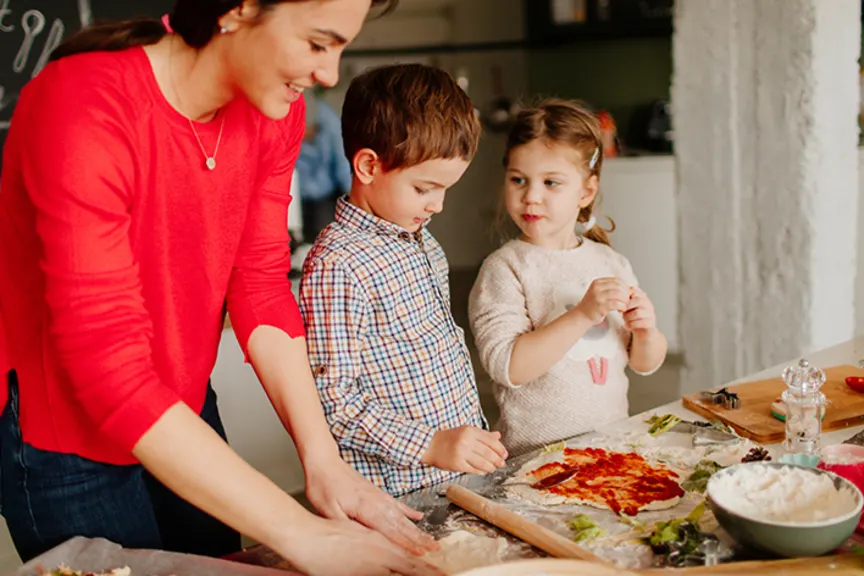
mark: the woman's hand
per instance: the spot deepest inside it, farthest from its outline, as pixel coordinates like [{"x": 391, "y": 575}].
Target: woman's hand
[
  {"x": 339, "y": 492},
  {"x": 342, "y": 547}
]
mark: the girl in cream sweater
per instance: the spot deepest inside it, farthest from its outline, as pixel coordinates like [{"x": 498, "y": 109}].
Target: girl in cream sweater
[{"x": 557, "y": 314}]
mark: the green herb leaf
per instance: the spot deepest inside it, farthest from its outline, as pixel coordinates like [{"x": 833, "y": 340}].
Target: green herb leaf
[
  {"x": 698, "y": 480},
  {"x": 553, "y": 447},
  {"x": 584, "y": 528},
  {"x": 660, "y": 424}
]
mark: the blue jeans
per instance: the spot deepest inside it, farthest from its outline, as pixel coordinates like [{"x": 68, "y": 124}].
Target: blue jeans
[{"x": 49, "y": 497}]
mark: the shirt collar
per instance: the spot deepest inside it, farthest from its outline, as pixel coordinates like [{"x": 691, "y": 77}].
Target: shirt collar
[{"x": 355, "y": 218}]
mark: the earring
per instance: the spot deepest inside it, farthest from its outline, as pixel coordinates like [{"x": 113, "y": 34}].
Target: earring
[
  {"x": 223, "y": 30},
  {"x": 590, "y": 223}
]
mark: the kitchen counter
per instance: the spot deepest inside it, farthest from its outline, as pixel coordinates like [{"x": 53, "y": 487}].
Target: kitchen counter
[
  {"x": 849, "y": 352},
  {"x": 439, "y": 511}
]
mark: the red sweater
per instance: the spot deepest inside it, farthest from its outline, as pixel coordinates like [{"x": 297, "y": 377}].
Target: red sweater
[{"x": 118, "y": 249}]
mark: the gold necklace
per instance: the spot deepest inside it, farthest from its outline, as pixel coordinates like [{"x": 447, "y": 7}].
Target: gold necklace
[{"x": 209, "y": 160}]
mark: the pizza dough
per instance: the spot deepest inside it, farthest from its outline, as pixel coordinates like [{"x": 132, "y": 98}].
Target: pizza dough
[
  {"x": 463, "y": 550},
  {"x": 608, "y": 480}
]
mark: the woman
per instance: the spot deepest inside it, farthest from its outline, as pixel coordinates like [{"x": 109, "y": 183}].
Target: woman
[{"x": 145, "y": 180}]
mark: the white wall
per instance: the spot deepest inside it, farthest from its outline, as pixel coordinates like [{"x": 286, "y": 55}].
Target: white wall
[
  {"x": 639, "y": 195},
  {"x": 765, "y": 98},
  {"x": 859, "y": 289}
]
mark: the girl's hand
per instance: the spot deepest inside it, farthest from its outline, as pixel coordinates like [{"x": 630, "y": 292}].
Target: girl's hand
[
  {"x": 603, "y": 296},
  {"x": 640, "y": 317}
]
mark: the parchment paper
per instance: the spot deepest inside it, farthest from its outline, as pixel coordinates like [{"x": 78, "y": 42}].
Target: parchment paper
[{"x": 98, "y": 554}]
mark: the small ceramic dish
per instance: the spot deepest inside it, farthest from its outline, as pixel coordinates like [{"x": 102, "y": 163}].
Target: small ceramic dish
[
  {"x": 856, "y": 383},
  {"x": 806, "y": 460},
  {"x": 847, "y": 461}
]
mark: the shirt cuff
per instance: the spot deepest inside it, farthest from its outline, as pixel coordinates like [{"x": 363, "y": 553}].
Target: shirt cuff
[
  {"x": 650, "y": 372},
  {"x": 138, "y": 414},
  {"x": 503, "y": 370}
]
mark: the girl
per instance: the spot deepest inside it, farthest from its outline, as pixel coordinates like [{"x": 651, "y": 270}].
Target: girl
[
  {"x": 557, "y": 314},
  {"x": 146, "y": 180}
]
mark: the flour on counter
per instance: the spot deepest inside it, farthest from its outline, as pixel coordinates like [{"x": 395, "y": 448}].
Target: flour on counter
[
  {"x": 463, "y": 550},
  {"x": 781, "y": 494}
]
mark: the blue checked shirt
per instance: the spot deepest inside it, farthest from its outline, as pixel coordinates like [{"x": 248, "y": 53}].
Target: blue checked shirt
[{"x": 390, "y": 362}]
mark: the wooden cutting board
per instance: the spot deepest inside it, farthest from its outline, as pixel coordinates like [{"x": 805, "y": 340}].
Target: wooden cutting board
[{"x": 754, "y": 420}]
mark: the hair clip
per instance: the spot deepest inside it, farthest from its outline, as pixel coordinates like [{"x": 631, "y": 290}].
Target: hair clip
[
  {"x": 166, "y": 22},
  {"x": 594, "y": 158},
  {"x": 589, "y": 224}
]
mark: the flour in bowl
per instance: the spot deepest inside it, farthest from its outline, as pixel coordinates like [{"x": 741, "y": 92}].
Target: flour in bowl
[{"x": 775, "y": 494}]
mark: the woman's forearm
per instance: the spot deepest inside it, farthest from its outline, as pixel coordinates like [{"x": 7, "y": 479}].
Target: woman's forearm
[
  {"x": 535, "y": 352},
  {"x": 190, "y": 458},
  {"x": 282, "y": 365}
]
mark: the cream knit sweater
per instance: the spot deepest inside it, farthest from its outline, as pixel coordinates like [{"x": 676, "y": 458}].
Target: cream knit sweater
[{"x": 522, "y": 287}]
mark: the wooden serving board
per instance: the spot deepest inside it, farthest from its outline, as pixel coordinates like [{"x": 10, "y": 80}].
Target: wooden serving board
[
  {"x": 835, "y": 565},
  {"x": 754, "y": 420}
]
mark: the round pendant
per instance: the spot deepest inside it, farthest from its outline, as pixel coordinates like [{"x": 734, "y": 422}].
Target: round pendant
[{"x": 211, "y": 163}]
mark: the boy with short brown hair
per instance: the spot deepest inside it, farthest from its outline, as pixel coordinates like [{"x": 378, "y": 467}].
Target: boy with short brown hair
[{"x": 391, "y": 365}]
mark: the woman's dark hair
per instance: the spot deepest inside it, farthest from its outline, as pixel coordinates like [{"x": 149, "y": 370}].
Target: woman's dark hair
[{"x": 196, "y": 21}]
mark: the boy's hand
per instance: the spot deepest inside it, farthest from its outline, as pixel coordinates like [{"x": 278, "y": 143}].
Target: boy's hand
[
  {"x": 640, "y": 317},
  {"x": 466, "y": 449},
  {"x": 603, "y": 296}
]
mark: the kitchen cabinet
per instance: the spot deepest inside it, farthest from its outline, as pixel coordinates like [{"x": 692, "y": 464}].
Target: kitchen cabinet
[{"x": 556, "y": 22}]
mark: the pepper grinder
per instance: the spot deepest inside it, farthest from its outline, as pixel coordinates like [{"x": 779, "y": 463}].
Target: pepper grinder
[{"x": 804, "y": 407}]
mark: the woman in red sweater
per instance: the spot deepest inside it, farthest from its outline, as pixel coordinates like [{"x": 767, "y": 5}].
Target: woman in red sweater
[{"x": 145, "y": 182}]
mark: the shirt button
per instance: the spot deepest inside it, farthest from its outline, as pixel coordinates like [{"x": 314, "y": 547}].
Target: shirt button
[
  {"x": 405, "y": 235},
  {"x": 321, "y": 370}
]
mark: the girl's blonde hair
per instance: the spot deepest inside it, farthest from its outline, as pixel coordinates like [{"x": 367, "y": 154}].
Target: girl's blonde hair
[{"x": 568, "y": 123}]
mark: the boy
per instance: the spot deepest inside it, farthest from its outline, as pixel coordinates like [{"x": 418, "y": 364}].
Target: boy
[{"x": 391, "y": 366}]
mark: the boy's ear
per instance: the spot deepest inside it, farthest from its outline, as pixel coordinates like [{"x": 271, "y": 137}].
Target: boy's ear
[
  {"x": 366, "y": 165},
  {"x": 589, "y": 191}
]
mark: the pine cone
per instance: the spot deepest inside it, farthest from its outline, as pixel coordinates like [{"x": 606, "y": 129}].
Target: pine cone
[{"x": 757, "y": 454}]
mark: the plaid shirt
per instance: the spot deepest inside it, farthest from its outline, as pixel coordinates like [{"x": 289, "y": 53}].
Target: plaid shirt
[{"x": 390, "y": 362}]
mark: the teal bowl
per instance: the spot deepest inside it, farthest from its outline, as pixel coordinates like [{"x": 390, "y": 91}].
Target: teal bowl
[
  {"x": 808, "y": 460},
  {"x": 788, "y": 539}
]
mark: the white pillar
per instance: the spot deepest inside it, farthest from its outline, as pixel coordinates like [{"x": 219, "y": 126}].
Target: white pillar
[
  {"x": 765, "y": 98},
  {"x": 859, "y": 290}
]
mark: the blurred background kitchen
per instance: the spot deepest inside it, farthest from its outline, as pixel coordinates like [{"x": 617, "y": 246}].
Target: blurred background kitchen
[
  {"x": 742, "y": 223},
  {"x": 744, "y": 267},
  {"x": 615, "y": 55}
]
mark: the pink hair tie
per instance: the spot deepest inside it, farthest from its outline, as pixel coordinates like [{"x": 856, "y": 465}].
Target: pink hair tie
[{"x": 167, "y": 23}]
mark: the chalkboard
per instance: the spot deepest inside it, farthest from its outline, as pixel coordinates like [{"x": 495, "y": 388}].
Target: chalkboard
[{"x": 31, "y": 29}]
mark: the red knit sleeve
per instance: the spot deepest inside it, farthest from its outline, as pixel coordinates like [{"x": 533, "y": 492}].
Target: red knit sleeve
[
  {"x": 259, "y": 292},
  {"x": 78, "y": 169}
]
